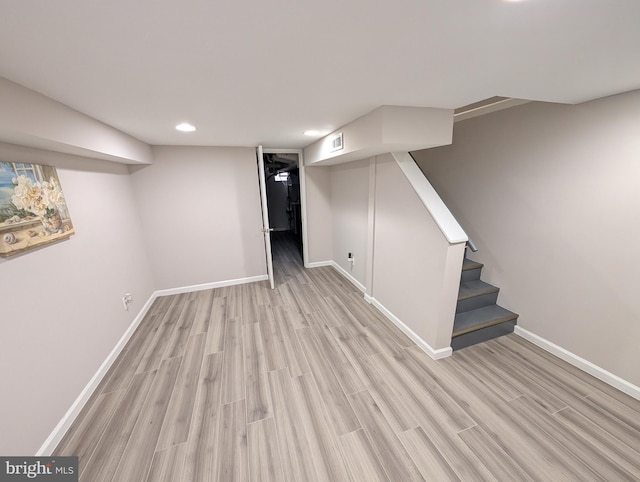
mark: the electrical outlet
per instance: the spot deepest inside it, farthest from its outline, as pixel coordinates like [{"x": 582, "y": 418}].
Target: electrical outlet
[
  {"x": 127, "y": 299},
  {"x": 351, "y": 259}
]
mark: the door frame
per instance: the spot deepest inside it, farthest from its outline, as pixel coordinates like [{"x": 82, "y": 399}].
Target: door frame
[{"x": 303, "y": 196}]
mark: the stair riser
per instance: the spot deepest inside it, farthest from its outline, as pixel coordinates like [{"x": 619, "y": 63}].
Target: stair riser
[
  {"x": 476, "y": 302},
  {"x": 471, "y": 274},
  {"x": 484, "y": 334}
]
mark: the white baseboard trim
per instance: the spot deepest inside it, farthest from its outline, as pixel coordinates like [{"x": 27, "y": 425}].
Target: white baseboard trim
[
  {"x": 208, "y": 286},
  {"x": 61, "y": 429},
  {"x": 319, "y": 264},
  {"x": 349, "y": 276},
  {"x": 63, "y": 425},
  {"x": 424, "y": 346},
  {"x": 579, "y": 362}
]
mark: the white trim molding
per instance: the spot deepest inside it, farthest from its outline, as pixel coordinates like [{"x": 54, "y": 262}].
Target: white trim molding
[
  {"x": 579, "y": 362},
  {"x": 61, "y": 429},
  {"x": 438, "y": 210},
  {"x": 349, "y": 276},
  {"x": 319, "y": 264},
  {"x": 63, "y": 425},
  {"x": 424, "y": 346},
  {"x": 341, "y": 270},
  {"x": 209, "y": 286}
]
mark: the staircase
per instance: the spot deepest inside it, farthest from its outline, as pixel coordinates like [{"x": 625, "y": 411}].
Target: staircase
[{"x": 478, "y": 317}]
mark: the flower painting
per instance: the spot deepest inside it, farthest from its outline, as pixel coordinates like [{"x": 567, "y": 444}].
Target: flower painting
[{"x": 33, "y": 211}]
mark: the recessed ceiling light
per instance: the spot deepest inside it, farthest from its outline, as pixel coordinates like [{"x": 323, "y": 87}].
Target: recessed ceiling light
[
  {"x": 312, "y": 132},
  {"x": 185, "y": 127}
]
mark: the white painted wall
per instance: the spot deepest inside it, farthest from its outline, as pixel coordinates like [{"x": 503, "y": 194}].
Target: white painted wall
[
  {"x": 319, "y": 215},
  {"x": 349, "y": 206},
  {"x": 550, "y": 195},
  {"x": 201, "y": 217},
  {"x": 61, "y": 305},
  {"x": 413, "y": 263},
  {"x": 404, "y": 260}
]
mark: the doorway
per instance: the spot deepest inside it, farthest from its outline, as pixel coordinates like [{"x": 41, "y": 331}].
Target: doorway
[{"x": 285, "y": 199}]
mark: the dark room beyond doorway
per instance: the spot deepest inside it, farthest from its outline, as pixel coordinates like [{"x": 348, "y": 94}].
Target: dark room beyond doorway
[{"x": 283, "y": 200}]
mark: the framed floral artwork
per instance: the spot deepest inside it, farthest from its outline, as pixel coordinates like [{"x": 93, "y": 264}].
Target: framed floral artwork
[{"x": 33, "y": 211}]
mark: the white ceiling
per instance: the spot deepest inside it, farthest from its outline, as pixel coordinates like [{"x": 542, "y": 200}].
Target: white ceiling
[{"x": 250, "y": 72}]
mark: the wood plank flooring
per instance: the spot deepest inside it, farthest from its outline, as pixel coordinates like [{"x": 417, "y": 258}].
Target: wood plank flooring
[{"x": 310, "y": 383}]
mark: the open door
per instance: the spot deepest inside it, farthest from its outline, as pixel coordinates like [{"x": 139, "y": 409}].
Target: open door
[{"x": 266, "y": 230}]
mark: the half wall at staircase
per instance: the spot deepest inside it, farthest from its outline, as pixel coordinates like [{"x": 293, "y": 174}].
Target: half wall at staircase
[
  {"x": 550, "y": 195},
  {"x": 402, "y": 260}
]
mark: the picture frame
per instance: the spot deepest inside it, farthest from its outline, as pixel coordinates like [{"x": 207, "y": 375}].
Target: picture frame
[{"x": 33, "y": 209}]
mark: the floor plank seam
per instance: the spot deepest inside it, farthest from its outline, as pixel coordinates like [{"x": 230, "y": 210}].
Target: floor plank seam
[
  {"x": 466, "y": 429},
  {"x": 353, "y": 394}
]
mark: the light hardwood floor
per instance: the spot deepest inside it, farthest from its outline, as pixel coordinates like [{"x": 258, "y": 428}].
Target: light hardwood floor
[{"x": 310, "y": 383}]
